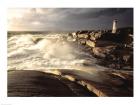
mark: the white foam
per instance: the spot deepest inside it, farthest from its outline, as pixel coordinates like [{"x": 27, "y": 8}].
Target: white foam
[{"x": 48, "y": 52}]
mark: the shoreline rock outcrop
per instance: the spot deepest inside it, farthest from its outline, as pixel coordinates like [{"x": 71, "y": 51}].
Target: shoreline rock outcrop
[{"x": 114, "y": 50}]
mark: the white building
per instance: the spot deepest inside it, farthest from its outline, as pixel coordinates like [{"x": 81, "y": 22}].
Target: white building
[{"x": 114, "y": 27}]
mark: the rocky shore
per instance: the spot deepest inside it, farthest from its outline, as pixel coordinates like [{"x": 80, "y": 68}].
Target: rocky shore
[
  {"x": 113, "y": 50},
  {"x": 82, "y": 63},
  {"x": 29, "y": 83}
]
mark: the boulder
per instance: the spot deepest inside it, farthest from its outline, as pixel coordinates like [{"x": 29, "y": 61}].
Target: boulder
[
  {"x": 74, "y": 35},
  {"x": 82, "y": 36},
  {"x": 102, "y": 51},
  {"x": 82, "y": 41},
  {"x": 98, "y": 35},
  {"x": 90, "y": 43},
  {"x": 92, "y": 37}
]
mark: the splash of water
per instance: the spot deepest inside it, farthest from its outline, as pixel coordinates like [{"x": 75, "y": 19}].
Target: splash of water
[{"x": 27, "y": 52}]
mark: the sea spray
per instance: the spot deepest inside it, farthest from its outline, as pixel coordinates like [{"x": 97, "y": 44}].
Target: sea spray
[{"x": 42, "y": 52}]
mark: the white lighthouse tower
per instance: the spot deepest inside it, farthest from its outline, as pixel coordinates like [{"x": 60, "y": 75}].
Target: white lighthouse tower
[{"x": 114, "y": 27}]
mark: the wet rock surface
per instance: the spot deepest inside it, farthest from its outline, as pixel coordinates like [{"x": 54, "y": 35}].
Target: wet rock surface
[
  {"x": 116, "y": 84},
  {"x": 105, "y": 83},
  {"x": 30, "y": 83}
]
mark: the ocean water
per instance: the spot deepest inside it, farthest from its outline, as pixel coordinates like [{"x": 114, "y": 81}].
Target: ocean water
[{"x": 51, "y": 53}]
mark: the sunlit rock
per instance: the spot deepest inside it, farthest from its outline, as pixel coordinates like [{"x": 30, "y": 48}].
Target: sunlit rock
[
  {"x": 90, "y": 43},
  {"x": 82, "y": 41},
  {"x": 98, "y": 35},
  {"x": 92, "y": 37},
  {"x": 82, "y": 36}
]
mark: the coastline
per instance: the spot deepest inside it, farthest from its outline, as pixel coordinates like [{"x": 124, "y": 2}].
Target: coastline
[
  {"x": 115, "y": 84},
  {"x": 29, "y": 83}
]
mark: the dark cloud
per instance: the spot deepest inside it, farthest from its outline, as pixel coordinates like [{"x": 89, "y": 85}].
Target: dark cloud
[
  {"x": 80, "y": 13},
  {"x": 73, "y": 18}
]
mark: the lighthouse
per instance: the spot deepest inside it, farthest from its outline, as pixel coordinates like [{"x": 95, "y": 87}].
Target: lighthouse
[{"x": 114, "y": 27}]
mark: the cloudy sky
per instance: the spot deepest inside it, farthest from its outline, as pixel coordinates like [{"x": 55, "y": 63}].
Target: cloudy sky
[{"x": 67, "y": 19}]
